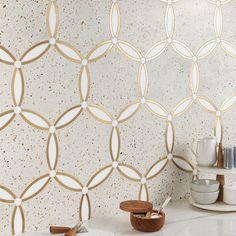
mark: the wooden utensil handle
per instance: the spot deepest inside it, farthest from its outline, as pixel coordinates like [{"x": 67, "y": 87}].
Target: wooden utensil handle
[
  {"x": 58, "y": 229},
  {"x": 71, "y": 232}
]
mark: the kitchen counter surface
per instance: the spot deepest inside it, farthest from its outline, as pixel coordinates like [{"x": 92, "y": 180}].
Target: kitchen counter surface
[{"x": 181, "y": 220}]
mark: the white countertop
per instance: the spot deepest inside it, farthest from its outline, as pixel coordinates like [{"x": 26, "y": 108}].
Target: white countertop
[{"x": 181, "y": 220}]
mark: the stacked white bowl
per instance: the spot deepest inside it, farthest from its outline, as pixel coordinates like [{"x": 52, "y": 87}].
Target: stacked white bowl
[{"x": 205, "y": 191}]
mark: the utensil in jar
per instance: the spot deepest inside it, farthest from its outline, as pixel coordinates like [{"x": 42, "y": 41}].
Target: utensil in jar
[{"x": 164, "y": 204}]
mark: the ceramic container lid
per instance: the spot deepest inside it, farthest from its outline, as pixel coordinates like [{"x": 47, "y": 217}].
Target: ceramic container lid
[{"x": 136, "y": 206}]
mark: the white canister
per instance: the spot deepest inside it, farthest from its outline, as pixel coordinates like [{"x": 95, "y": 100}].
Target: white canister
[{"x": 230, "y": 194}]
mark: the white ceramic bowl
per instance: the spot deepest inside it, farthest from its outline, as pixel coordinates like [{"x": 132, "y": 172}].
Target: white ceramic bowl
[
  {"x": 204, "y": 198},
  {"x": 229, "y": 195},
  {"x": 205, "y": 185}
]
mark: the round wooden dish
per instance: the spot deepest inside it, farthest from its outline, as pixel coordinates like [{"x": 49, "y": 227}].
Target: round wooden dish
[{"x": 147, "y": 224}]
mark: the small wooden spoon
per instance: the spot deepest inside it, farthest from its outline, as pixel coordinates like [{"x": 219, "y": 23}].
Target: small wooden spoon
[
  {"x": 58, "y": 229},
  {"x": 71, "y": 232}
]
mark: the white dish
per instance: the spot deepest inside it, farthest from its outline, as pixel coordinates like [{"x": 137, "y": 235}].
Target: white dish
[
  {"x": 204, "y": 198},
  {"x": 205, "y": 185},
  {"x": 217, "y": 206}
]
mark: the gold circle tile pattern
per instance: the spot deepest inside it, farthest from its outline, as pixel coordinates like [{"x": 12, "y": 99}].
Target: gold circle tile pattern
[{"x": 100, "y": 113}]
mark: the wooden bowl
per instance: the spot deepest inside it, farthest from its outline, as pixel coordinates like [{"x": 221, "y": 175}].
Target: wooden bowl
[{"x": 147, "y": 224}]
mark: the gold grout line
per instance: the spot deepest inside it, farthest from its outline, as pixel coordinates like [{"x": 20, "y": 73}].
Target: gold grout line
[
  {"x": 9, "y": 54},
  {"x": 142, "y": 67},
  {"x": 66, "y": 44},
  {"x": 57, "y": 151},
  {"x": 97, "y": 173},
  {"x": 114, "y": 129},
  {"x": 48, "y": 20},
  {"x": 183, "y": 159},
  {"x": 10, "y": 120},
  {"x": 145, "y": 189},
  {"x": 72, "y": 177},
  {"x": 169, "y": 124},
  {"x": 80, "y": 83},
  {"x": 101, "y": 108},
  {"x": 157, "y": 162},
  {"x": 132, "y": 168},
  {"x": 10, "y": 192},
  {"x": 225, "y": 102},
  {"x": 37, "y": 192},
  {"x": 219, "y": 119},
  {"x": 96, "y": 48},
  {"x": 89, "y": 206},
  {"x": 13, "y": 219},
  {"x": 70, "y": 121},
  {"x": 32, "y": 48},
  {"x": 115, "y": 5},
  {"x": 32, "y": 124},
  {"x": 136, "y": 102},
  {"x": 13, "y": 90}
]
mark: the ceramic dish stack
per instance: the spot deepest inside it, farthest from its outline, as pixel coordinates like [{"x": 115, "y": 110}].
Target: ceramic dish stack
[{"x": 205, "y": 191}]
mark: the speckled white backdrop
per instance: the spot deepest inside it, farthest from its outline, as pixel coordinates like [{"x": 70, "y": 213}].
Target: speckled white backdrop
[{"x": 51, "y": 89}]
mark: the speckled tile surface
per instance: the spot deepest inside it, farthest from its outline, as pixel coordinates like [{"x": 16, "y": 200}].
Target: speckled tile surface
[
  {"x": 100, "y": 101},
  {"x": 51, "y": 91},
  {"x": 108, "y": 77},
  {"x": 142, "y": 142},
  {"x": 166, "y": 78}
]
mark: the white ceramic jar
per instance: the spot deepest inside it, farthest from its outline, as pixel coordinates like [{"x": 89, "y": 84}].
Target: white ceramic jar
[{"x": 230, "y": 194}]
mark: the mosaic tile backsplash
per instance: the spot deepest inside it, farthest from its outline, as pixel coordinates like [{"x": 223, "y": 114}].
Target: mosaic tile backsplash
[{"x": 100, "y": 101}]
